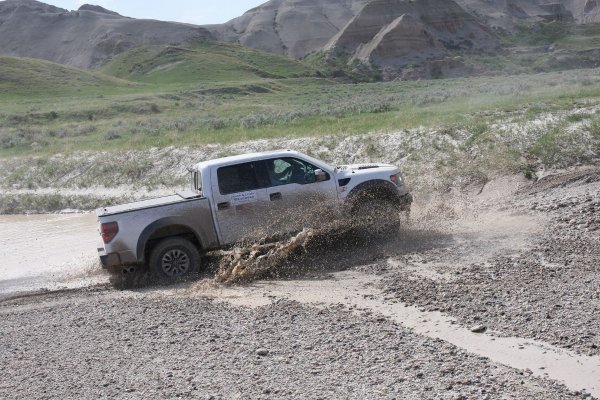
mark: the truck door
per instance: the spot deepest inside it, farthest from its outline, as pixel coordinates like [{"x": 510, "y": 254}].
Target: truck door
[
  {"x": 298, "y": 197},
  {"x": 240, "y": 198}
]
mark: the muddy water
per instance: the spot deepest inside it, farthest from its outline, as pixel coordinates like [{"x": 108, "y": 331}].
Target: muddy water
[
  {"x": 357, "y": 291},
  {"x": 47, "y": 251}
]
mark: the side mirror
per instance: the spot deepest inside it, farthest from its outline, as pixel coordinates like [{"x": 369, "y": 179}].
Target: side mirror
[{"x": 320, "y": 175}]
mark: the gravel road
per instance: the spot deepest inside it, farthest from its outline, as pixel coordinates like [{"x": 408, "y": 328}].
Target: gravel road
[
  {"x": 547, "y": 288},
  {"x": 103, "y": 344}
]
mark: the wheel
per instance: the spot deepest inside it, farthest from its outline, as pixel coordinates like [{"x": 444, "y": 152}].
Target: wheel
[
  {"x": 173, "y": 259},
  {"x": 376, "y": 217}
]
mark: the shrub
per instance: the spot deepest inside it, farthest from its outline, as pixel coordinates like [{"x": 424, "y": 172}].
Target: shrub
[
  {"x": 573, "y": 118},
  {"x": 595, "y": 129},
  {"x": 112, "y": 135}
]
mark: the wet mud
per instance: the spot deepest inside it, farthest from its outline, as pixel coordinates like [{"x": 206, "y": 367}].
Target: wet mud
[{"x": 48, "y": 252}]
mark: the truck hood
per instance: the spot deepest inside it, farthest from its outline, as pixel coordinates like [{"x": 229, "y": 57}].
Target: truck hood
[
  {"x": 148, "y": 203},
  {"x": 348, "y": 171}
]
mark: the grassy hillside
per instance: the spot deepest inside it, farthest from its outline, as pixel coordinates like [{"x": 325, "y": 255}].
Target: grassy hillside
[
  {"x": 212, "y": 92},
  {"x": 61, "y": 125},
  {"x": 21, "y": 77},
  {"x": 227, "y": 113},
  {"x": 202, "y": 62},
  {"x": 543, "y": 47}
]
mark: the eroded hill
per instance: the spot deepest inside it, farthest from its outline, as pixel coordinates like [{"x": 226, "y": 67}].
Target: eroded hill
[{"x": 85, "y": 38}]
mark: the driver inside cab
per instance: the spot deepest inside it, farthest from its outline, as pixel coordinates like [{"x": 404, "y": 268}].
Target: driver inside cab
[{"x": 289, "y": 170}]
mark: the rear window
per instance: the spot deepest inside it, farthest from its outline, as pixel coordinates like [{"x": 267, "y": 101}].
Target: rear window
[{"x": 240, "y": 178}]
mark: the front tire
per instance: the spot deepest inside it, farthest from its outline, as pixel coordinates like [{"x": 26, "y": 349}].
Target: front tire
[
  {"x": 174, "y": 259},
  {"x": 377, "y": 218}
]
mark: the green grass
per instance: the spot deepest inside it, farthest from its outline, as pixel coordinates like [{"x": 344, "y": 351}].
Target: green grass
[
  {"x": 536, "y": 34},
  {"x": 27, "y": 78},
  {"x": 211, "y": 92},
  {"x": 203, "y": 62},
  {"x": 543, "y": 47},
  {"x": 272, "y": 108}
]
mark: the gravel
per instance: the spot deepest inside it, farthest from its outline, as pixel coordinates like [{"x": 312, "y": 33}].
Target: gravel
[
  {"x": 549, "y": 290},
  {"x": 103, "y": 344},
  {"x": 536, "y": 277}
]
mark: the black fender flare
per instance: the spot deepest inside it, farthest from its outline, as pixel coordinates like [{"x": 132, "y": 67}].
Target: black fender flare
[
  {"x": 159, "y": 224},
  {"x": 374, "y": 185}
]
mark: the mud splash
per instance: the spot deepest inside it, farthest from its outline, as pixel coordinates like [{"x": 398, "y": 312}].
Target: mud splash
[
  {"x": 330, "y": 243},
  {"x": 309, "y": 249}
]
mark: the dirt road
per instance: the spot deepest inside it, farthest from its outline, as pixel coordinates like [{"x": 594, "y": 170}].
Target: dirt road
[{"x": 516, "y": 262}]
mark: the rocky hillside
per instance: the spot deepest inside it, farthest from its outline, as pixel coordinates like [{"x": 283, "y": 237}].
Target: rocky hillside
[
  {"x": 414, "y": 39},
  {"x": 282, "y": 26},
  {"x": 502, "y": 14},
  {"x": 403, "y": 38},
  {"x": 397, "y": 33},
  {"x": 85, "y": 38},
  {"x": 583, "y": 11},
  {"x": 292, "y": 27}
]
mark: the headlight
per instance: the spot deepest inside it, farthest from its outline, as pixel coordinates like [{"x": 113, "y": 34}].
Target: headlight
[{"x": 396, "y": 179}]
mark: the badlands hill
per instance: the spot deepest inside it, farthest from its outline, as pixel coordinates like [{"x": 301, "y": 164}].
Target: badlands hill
[
  {"x": 300, "y": 27},
  {"x": 292, "y": 27},
  {"x": 427, "y": 36},
  {"x": 584, "y": 11},
  {"x": 85, "y": 38},
  {"x": 396, "y": 33}
]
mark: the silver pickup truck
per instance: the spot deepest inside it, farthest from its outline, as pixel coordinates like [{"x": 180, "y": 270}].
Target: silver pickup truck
[{"x": 240, "y": 198}]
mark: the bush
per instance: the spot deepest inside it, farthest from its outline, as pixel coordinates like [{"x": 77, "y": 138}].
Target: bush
[
  {"x": 573, "y": 118},
  {"x": 112, "y": 135},
  {"x": 595, "y": 129}
]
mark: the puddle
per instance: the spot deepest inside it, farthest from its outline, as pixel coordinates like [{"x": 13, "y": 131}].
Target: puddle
[
  {"x": 47, "y": 251},
  {"x": 357, "y": 290}
]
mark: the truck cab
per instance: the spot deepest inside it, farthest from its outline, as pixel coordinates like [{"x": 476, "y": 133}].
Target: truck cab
[{"x": 265, "y": 193}]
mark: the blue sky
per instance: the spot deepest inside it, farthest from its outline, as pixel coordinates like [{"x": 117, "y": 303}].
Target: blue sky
[{"x": 191, "y": 11}]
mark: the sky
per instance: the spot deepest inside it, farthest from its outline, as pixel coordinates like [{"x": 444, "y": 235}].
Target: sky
[{"x": 198, "y": 12}]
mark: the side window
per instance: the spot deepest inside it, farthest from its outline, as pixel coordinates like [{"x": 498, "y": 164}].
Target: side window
[
  {"x": 237, "y": 178},
  {"x": 285, "y": 171}
]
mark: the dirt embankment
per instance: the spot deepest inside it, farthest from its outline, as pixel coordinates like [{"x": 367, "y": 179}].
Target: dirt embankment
[{"x": 433, "y": 160}]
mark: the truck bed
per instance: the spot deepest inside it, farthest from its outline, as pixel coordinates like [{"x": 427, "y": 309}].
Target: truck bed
[{"x": 148, "y": 203}]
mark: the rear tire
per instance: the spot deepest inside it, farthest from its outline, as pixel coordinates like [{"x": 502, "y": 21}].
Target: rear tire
[{"x": 174, "y": 259}]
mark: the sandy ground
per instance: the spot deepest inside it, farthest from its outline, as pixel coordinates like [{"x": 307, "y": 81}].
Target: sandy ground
[{"x": 393, "y": 319}]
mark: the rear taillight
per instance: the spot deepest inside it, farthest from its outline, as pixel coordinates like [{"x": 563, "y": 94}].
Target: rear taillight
[{"x": 109, "y": 231}]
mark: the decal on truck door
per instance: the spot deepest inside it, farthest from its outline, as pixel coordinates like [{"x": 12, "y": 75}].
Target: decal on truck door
[{"x": 244, "y": 198}]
